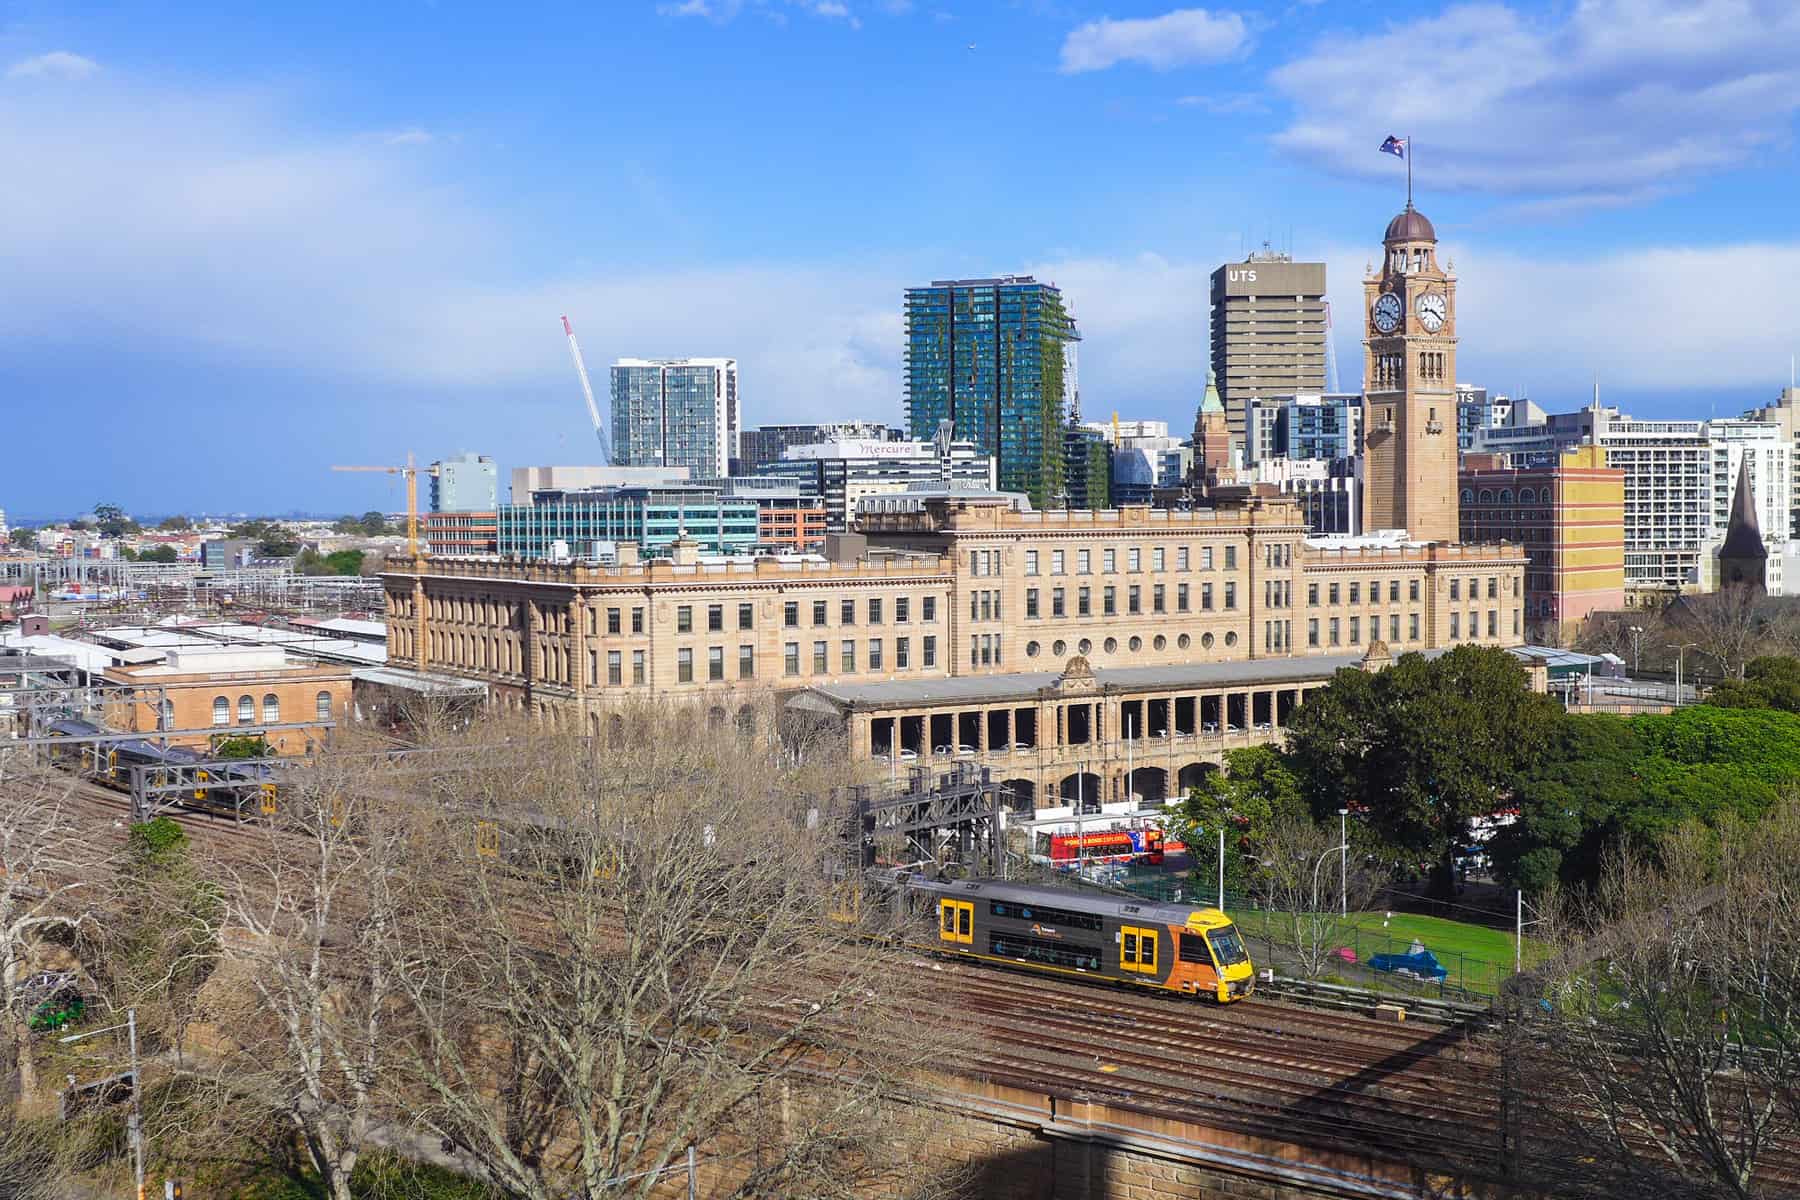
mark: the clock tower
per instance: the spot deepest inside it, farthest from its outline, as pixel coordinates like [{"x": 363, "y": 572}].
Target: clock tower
[{"x": 1409, "y": 386}]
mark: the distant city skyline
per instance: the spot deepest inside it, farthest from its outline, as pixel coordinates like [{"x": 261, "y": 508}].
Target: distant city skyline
[{"x": 319, "y": 263}]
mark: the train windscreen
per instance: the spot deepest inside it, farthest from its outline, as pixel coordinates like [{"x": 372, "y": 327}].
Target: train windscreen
[{"x": 1228, "y": 946}]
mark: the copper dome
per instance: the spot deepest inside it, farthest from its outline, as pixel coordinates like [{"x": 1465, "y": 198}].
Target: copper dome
[{"x": 1410, "y": 226}]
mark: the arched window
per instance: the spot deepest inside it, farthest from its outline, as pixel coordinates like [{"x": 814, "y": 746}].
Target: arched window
[
  {"x": 246, "y": 710},
  {"x": 1527, "y": 496},
  {"x": 1506, "y": 495},
  {"x": 1468, "y": 496},
  {"x": 1487, "y": 496},
  {"x": 322, "y": 706},
  {"x": 271, "y": 709},
  {"x": 221, "y": 711}
]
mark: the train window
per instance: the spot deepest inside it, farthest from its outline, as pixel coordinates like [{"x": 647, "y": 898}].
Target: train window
[
  {"x": 267, "y": 798},
  {"x": 1128, "y": 951},
  {"x": 1040, "y": 914},
  {"x": 1193, "y": 949},
  {"x": 1228, "y": 945},
  {"x": 956, "y": 921},
  {"x": 1039, "y": 950},
  {"x": 1137, "y": 948}
]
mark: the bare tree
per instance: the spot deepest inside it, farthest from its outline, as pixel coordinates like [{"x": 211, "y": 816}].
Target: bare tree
[
  {"x": 626, "y": 951},
  {"x": 1306, "y": 889},
  {"x": 1671, "y": 1066},
  {"x": 302, "y": 918},
  {"x": 1730, "y": 626},
  {"x": 55, "y": 875}
]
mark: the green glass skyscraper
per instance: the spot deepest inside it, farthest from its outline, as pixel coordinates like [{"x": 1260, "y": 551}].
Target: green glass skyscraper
[{"x": 994, "y": 358}]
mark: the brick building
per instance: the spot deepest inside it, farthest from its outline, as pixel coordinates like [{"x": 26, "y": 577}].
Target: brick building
[
  {"x": 1569, "y": 517},
  {"x": 232, "y": 690},
  {"x": 462, "y": 533}
]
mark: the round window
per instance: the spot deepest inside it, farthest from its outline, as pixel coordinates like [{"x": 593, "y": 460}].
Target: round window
[
  {"x": 1031, "y": 649},
  {"x": 1136, "y": 644},
  {"x": 1183, "y": 641},
  {"x": 1160, "y": 642},
  {"x": 1061, "y": 648},
  {"x": 1112, "y": 645},
  {"x": 1206, "y": 641},
  {"x": 1231, "y": 639},
  {"x": 1085, "y": 646}
]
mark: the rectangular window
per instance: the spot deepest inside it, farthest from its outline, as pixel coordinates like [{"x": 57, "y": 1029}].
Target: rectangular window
[
  {"x": 902, "y": 610},
  {"x": 1134, "y": 559},
  {"x": 1312, "y": 632},
  {"x": 928, "y": 651},
  {"x": 1031, "y": 562},
  {"x": 639, "y": 673},
  {"x": 1334, "y": 631},
  {"x": 715, "y": 663},
  {"x": 637, "y": 620},
  {"x": 1181, "y": 558},
  {"x": 1084, "y": 602},
  {"x": 1493, "y": 622},
  {"x": 1412, "y": 589},
  {"x": 1109, "y": 601},
  {"x": 1230, "y": 594},
  {"x": 1412, "y": 627},
  {"x": 1312, "y": 595},
  {"x": 715, "y": 618},
  {"x": 847, "y": 656},
  {"x": 615, "y": 668},
  {"x": 593, "y": 668},
  {"x": 1356, "y": 593},
  {"x": 684, "y": 665},
  {"x": 1056, "y": 562},
  {"x": 746, "y": 616},
  {"x": 1206, "y": 597},
  {"x": 1084, "y": 562},
  {"x": 1355, "y": 630},
  {"x": 902, "y": 653},
  {"x": 1493, "y": 587},
  {"x": 790, "y": 655},
  {"x": 1031, "y": 602},
  {"x": 1334, "y": 594},
  {"x": 746, "y": 662},
  {"x": 1158, "y": 558},
  {"x": 1394, "y": 628},
  {"x": 684, "y": 619},
  {"x": 1206, "y": 561},
  {"x": 818, "y": 613},
  {"x": 1056, "y": 602},
  {"x": 1109, "y": 561},
  {"x": 821, "y": 657},
  {"x": 1181, "y": 597},
  {"x": 928, "y": 609},
  {"x": 1158, "y": 598},
  {"x": 874, "y": 654},
  {"x": 612, "y": 620},
  {"x": 874, "y": 610},
  {"x": 1134, "y": 599},
  {"x": 1455, "y": 624},
  {"x": 1456, "y": 589},
  {"x": 790, "y": 614},
  {"x": 1231, "y": 558},
  {"x": 847, "y": 612},
  {"x": 1393, "y": 591}
]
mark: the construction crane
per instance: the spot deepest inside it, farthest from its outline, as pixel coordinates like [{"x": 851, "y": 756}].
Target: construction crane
[
  {"x": 409, "y": 472},
  {"x": 587, "y": 389}
]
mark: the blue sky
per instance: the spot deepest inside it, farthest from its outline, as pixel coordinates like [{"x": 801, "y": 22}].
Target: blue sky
[{"x": 239, "y": 245}]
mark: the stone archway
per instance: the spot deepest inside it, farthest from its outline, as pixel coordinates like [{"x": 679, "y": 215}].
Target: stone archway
[
  {"x": 1194, "y": 774},
  {"x": 1019, "y": 795},
  {"x": 1083, "y": 786},
  {"x": 1150, "y": 785}
]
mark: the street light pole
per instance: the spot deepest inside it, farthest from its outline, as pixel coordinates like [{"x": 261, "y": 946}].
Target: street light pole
[
  {"x": 1679, "y": 651},
  {"x": 137, "y": 1087},
  {"x": 1637, "y": 648},
  {"x": 1316, "y": 866},
  {"x": 1344, "y": 861}
]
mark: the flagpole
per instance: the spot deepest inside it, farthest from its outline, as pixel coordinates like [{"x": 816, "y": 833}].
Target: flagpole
[{"x": 1409, "y": 158}]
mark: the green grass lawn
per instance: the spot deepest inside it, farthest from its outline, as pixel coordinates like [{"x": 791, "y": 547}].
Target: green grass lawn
[{"x": 1477, "y": 956}]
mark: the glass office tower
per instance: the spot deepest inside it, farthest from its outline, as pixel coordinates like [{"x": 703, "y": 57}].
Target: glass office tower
[{"x": 988, "y": 355}]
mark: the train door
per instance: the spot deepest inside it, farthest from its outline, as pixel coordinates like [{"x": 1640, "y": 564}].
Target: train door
[
  {"x": 1137, "y": 949},
  {"x": 956, "y": 921},
  {"x": 487, "y": 839},
  {"x": 266, "y": 799}
]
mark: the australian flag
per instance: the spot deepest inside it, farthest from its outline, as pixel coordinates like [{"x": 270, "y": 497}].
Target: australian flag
[{"x": 1395, "y": 146}]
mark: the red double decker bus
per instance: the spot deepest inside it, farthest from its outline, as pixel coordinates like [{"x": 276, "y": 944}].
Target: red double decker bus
[{"x": 1108, "y": 843}]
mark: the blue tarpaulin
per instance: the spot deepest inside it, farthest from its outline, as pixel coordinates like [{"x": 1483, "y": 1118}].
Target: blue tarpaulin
[{"x": 1422, "y": 963}]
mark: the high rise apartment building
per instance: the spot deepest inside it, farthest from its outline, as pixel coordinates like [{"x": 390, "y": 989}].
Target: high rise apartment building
[
  {"x": 990, "y": 356},
  {"x": 1268, "y": 331},
  {"x": 1785, "y": 415},
  {"x": 838, "y": 474},
  {"x": 1678, "y": 479},
  {"x": 1308, "y": 426},
  {"x": 1409, "y": 386},
  {"x": 467, "y": 483},
  {"x": 676, "y": 412}
]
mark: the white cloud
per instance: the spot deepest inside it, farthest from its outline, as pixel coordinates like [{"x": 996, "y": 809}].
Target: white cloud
[
  {"x": 58, "y": 64},
  {"x": 723, "y": 11},
  {"x": 1223, "y": 105},
  {"x": 1617, "y": 97},
  {"x": 408, "y": 137},
  {"x": 1187, "y": 35}
]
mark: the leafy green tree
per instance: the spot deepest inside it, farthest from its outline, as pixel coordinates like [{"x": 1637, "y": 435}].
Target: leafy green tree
[
  {"x": 338, "y": 562},
  {"x": 1772, "y": 681},
  {"x": 1257, "y": 791},
  {"x": 1425, "y": 746},
  {"x": 373, "y": 523},
  {"x": 111, "y": 521},
  {"x": 249, "y": 746},
  {"x": 158, "y": 554},
  {"x": 21, "y": 536},
  {"x": 176, "y": 524}
]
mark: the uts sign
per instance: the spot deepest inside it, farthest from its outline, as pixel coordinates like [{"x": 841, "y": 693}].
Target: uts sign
[{"x": 1268, "y": 278}]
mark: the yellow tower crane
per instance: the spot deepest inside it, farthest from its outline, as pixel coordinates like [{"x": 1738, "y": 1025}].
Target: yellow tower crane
[{"x": 409, "y": 472}]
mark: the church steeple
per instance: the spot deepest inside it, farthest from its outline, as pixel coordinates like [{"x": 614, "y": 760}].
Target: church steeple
[{"x": 1743, "y": 559}]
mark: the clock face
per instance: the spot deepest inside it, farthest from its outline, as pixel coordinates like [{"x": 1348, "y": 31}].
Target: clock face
[
  {"x": 1432, "y": 310},
  {"x": 1387, "y": 312}
]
